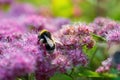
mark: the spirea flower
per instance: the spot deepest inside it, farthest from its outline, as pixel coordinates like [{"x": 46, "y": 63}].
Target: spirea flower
[
  {"x": 18, "y": 57},
  {"x": 102, "y": 26},
  {"x": 112, "y": 61},
  {"x": 105, "y": 65},
  {"x": 101, "y": 21},
  {"x": 16, "y": 64},
  {"x": 75, "y": 34},
  {"x": 10, "y": 27},
  {"x": 1, "y": 14},
  {"x": 6, "y": 1},
  {"x": 37, "y": 23},
  {"x": 33, "y": 22},
  {"x": 67, "y": 54},
  {"x": 21, "y": 9},
  {"x": 113, "y": 35},
  {"x": 110, "y": 30},
  {"x": 55, "y": 24},
  {"x": 21, "y": 53},
  {"x": 60, "y": 22},
  {"x": 73, "y": 38},
  {"x": 114, "y": 58}
]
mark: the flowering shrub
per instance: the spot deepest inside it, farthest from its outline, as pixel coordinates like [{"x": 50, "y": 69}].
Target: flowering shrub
[
  {"x": 21, "y": 53},
  {"x": 108, "y": 29}
]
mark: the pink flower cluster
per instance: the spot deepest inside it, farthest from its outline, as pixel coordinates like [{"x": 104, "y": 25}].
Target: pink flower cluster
[
  {"x": 68, "y": 53},
  {"x": 6, "y": 1},
  {"x": 105, "y": 66},
  {"x": 102, "y": 26},
  {"x": 21, "y": 54},
  {"x": 110, "y": 30},
  {"x": 17, "y": 56}
]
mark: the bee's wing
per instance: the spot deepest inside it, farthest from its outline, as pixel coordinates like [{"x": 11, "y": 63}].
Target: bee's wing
[
  {"x": 57, "y": 41},
  {"x": 49, "y": 41}
]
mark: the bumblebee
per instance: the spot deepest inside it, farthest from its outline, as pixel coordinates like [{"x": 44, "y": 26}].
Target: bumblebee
[{"x": 45, "y": 37}]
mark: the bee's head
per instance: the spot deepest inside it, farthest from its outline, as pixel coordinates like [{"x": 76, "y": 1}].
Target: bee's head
[{"x": 42, "y": 34}]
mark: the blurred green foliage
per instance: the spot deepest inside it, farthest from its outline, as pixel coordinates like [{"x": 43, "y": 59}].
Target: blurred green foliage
[
  {"x": 62, "y": 8},
  {"x": 82, "y": 10}
]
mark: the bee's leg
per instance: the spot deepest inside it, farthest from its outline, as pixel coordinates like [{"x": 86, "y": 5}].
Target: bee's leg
[
  {"x": 44, "y": 50},
  {"x": 41, "y": 40}
]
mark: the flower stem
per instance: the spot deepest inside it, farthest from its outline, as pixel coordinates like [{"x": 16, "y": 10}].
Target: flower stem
[
  {"x": 94, "y": 53},
  {"x": 70, "y": 75},
  {"x": 26, "y": 77}
]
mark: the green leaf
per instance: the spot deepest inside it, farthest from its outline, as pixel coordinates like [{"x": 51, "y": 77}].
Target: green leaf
[
  {"x": 59, "y": 76},
  {"x": 109, "y": 75},
  {"x": 98, "y": 38},
  {"x": 89, "y": 73}
]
